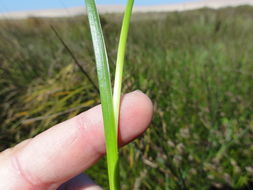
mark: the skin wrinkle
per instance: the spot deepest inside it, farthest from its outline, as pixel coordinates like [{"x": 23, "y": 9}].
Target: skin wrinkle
[
  {"x": 17, "y": 166},
  {"x": 39, "y": 183}
]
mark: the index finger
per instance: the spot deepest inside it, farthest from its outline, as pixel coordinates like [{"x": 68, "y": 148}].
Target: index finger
[{"x": 67, "y": 149}]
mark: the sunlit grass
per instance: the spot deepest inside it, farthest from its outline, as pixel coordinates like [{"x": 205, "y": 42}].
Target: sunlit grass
[{"x": 196, "y": 66}]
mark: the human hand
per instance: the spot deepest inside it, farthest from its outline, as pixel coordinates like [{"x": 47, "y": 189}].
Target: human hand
[{"x": 52, "y": 159}]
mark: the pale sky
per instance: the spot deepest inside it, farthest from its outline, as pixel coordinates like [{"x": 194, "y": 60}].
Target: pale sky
[{"x": 24, "y": 5}]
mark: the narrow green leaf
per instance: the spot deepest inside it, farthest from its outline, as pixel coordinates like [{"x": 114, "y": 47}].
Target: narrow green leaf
[
  {"x": 105, "y": 94},
  {"x": 120, "y": 59}
]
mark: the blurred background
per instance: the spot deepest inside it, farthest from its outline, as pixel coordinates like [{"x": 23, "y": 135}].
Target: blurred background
[{"x": 193, "y": 59}]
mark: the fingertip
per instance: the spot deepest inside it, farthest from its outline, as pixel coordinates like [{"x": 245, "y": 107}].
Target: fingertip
[
  {"x": 146, "y": 107},
  {"x": 135, "y": 115}
]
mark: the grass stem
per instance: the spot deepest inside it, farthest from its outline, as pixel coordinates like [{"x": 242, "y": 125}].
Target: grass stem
[{"x": 120, "y": 59}]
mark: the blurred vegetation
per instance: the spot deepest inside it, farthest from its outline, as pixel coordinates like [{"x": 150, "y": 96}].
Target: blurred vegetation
[{"x": 196, "y": 66}]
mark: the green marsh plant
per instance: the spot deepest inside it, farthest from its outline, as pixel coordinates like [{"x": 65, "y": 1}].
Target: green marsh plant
[{"x": 110, "y": 100}]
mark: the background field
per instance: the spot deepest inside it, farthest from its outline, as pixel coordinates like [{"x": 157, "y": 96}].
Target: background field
[{"x": 196, "y": 66}]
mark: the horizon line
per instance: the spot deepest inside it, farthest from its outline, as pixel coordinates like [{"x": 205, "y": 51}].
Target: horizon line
[{"x": 103, "y": 9}]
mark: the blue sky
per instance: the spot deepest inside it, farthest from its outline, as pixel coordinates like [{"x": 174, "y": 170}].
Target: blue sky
[{"x": 23, "y": 5}]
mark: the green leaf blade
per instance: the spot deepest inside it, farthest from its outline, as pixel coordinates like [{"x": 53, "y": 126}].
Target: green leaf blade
[{"x": 105, "y": 94}]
